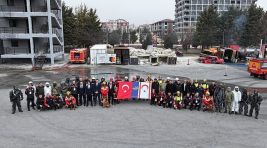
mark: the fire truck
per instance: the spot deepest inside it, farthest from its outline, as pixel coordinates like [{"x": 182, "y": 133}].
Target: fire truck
[
  {"x": 78, "y": 55},
  {"x": 258, "y": 68}
]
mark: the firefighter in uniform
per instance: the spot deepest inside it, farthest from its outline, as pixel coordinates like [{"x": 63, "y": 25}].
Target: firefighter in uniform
[
  {"x": 30, "y": 96},
  {"x": 15, "y": 96},
  {"x": 244, "y": 103}
]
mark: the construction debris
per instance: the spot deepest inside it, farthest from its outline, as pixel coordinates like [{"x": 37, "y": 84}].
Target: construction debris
[{"x": 152, "y": 52}]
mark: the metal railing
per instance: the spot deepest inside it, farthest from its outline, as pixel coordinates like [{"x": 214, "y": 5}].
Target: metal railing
[
  {"x": 57, "y": 13},
  {"x": 5, "y": 8},
  {"x": 16, "y": 50},
  {"x": 39, "y": 9},
  {"x": 13, "y": 30},
  {"x": 58, "y": 33},
  {"x": 42, "y": 29},
  {"x": 58, "y": 49}
]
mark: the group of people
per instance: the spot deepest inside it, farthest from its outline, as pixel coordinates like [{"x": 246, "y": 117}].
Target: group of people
[
  {"x": 167, "y": 93},
  {"x": 194, "y": 95}
]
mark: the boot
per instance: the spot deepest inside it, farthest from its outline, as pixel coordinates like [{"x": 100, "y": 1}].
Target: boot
[
  {"x": 256, "y": 117},
  {"x": 20, "y": 110},
  {"x": 13, "y": 112}
]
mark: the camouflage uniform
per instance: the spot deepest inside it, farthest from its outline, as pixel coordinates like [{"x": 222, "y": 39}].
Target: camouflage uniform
[
  {"x": 229, "y": 97},
  {"x": 255, "y": 101}
]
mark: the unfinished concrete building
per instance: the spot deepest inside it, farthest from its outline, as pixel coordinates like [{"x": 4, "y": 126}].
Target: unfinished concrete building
[{"x": 29, "y": 28}]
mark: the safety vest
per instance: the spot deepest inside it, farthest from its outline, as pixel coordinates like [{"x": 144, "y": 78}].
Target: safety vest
[
  {"x": 178, "y": 98},
  {"x": 205, "y": 86},
  {"x": 196, "y": 85}
]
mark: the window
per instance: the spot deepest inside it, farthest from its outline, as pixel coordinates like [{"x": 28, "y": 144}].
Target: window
[
  {"x": 10, "y": 2},
  {"x": 12, "y": 23},
  {"x": 14, "y": 43}
]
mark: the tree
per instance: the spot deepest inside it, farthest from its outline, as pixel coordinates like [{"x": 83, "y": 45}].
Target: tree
[
  {"x": 133, "y": 37},
  {"x": 69, "y": 23},
  {"x": 207, "y": 30},
  {"x": 88, "y": 27},
  {"x": 125, "y": 38},
  {"x": 114, "y": 37},
  {"x": 263, "y": 27},
  {"x": 147, "y": 41},
  {"x": 169, "y": 40},
  {"x": 253, "y": 30},
  {"x": 231, "y": 26},
  {"x": 143, "y": 34}
]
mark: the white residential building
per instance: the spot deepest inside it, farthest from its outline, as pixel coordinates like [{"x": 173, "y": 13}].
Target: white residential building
[
  {"x": 188, "y": 11},
  {"x": 31, "y": 27}
]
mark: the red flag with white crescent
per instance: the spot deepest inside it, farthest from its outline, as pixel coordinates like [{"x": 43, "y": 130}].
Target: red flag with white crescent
[{"x": 125, "y": 90}]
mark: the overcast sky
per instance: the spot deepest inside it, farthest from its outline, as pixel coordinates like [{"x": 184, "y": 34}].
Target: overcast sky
[{"x": 135, "y": 11}]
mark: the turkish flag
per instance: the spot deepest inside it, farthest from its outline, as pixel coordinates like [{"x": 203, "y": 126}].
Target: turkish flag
[{"x": 125, "y": 90}]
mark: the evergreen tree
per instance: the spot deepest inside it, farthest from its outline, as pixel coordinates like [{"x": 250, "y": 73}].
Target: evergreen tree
[
  {"x": 133, "y": 37},
  {"x": 207, "y": 30},
  {"x": 253, "y": 30},
  {"x": 88, "y": 27},
  {"x": 147, "y": 41},
  {"x": 114, "y": 37},
  {"x": 125, "y": 38},
  {"x": 69, "y": 23},
  {"x": 169, "y": 40},
  {"x": 231, "y": 26}
]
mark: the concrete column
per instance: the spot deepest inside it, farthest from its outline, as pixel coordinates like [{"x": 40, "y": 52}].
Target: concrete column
[
  {"x": 50, "y": 32},
  {"x": 62, "y": 32},
  {"x": 28, "y": 3}
]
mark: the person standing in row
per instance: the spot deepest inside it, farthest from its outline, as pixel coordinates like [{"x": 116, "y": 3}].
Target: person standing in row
[
  {"x": 244, "y": 103},
  {"x": 47, "y": 90},
  {"x": 255, "y": 102},
  {"x": 30, "y": 96},
  {"x": 39, "y": 90},
  {"x": 81, "y": 93},
  {"x": 237, "y": 99},
  {"x": 112, "y": 91},
  {"x": 89, "y": 93},
  {"x": 15, "y": 97},
  {"x": 218, "y": 94},
  {"x": 229, "y": 97}
]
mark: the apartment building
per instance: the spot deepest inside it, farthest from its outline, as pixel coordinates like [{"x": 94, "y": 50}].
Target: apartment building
[
  {"x": 162, "y": 28},
  {"x": 29, "y": 28},
  {"x": 119, "y": 24},
  {"x": 188, "y": 11}
]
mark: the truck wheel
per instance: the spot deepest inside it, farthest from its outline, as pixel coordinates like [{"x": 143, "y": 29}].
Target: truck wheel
[
  {"x": 255, "y": 75},
  {"x": 265, "y": 77},
  {"x": 251, "y": 74}
]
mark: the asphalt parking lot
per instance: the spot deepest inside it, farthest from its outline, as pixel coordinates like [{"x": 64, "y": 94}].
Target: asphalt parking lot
[{"x": 129, "y": 124}]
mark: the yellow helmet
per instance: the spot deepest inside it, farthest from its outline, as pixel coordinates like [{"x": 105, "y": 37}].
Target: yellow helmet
[{"x": 68, "y": 93}]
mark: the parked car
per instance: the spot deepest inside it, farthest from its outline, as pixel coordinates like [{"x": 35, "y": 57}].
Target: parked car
[
  {"x": 211, "y": 60},
  {"x": 179, "y": 53}
]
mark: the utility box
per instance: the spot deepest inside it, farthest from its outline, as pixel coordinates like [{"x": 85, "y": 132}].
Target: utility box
[
  {"x": 172, "y": 61},
  {"x": 134, "y": 61}
]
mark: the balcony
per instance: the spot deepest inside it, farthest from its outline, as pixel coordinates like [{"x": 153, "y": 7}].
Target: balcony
[
  {"x": 13, "y": 30},
  {"x": 57, "y": 14},
  {"x": 58, "y": 34},
  {"x": 58, "y": 49},
  {"x": 5, "y": 8},
  {"x": 16, "y": 50}
]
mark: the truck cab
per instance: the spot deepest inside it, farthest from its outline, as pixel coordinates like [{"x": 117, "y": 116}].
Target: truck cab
[{"x": 258, "y": 68}]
